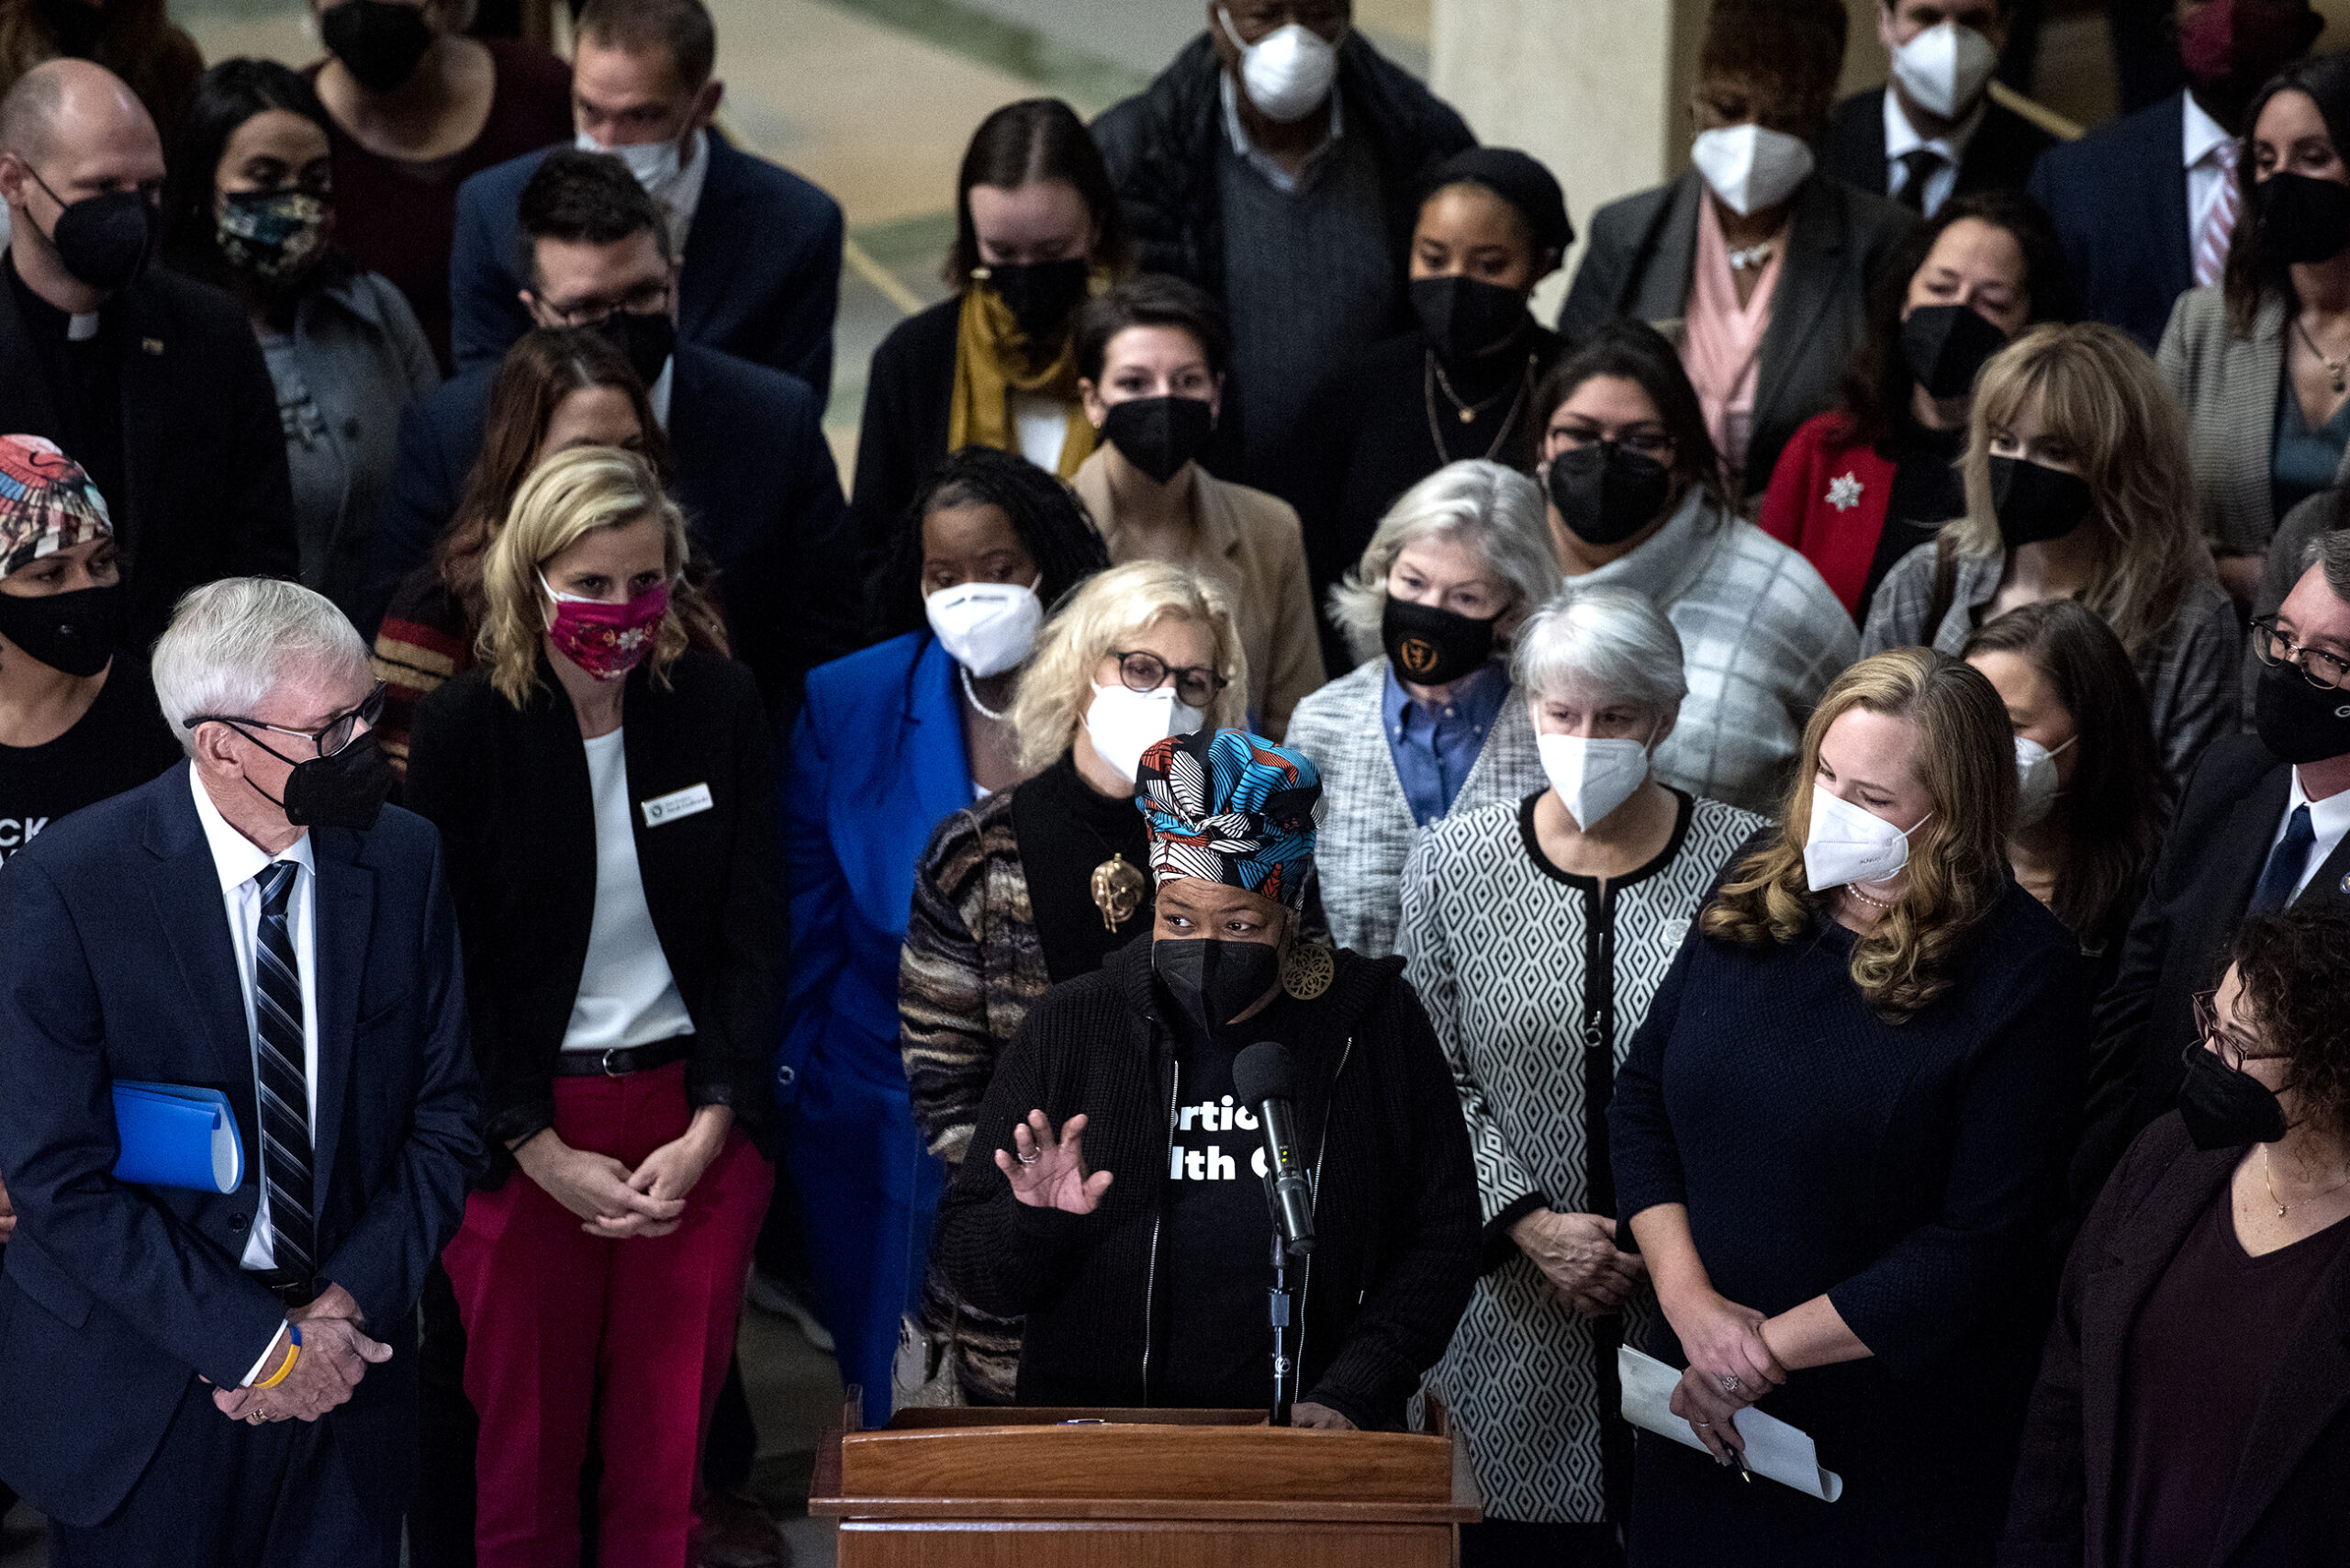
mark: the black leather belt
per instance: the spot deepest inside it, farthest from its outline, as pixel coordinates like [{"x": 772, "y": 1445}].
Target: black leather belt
[
  {"x": 290, "y": 1286},
  {"x": 622, "y": 1060}
]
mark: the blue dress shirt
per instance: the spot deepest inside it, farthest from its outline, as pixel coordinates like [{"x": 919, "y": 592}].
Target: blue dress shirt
[{"x": 1435, "y": 748}]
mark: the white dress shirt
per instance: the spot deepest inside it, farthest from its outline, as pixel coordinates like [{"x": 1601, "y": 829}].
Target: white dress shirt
[
  {"x": 1901, "y": 139},
  {"x": 626, "y": 996},
  {"x": 2202, "y": 134},
  {"x": 2329, "y": 820},
  {"x": 681, "y": 195}
]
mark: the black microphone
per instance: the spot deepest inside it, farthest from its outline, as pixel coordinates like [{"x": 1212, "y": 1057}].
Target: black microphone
[{"x": 1265, "y": 1077}]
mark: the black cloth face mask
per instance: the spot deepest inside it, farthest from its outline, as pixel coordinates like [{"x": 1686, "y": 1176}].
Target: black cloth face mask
[
  {"x": 1945, "y": 346},
  {"x": 2036, "y": 503},
  {"x": 1040, "y": 294},
  {"x": 646, "y": 341},
  {"x": 1160, "y": 435},
  {"x": 1429, "y": 647},
  {"x": 72, "y": 633},
  {"x": 380, "y": 42},
  {"x": 102, "y": 240},
  {"x": 2226, "y": 1107},
  {"x": 2296, "y": 722},
  {"x": 1211, "y": 979},
  {"x": 2301, "y": 219},
  {"x": 1605, "y": 494},
  {"x": 345, "y": 790},
  {"x": 1463, "y": 316}
]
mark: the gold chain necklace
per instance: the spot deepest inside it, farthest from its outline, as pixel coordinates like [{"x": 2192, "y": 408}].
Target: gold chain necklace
[
  {"x": 2336, "y": 370},
  {"x": 1433, "y": 375},
  {"x": 2268, "y": 1159}
]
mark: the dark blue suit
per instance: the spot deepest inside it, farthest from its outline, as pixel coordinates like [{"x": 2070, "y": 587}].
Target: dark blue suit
[
  {"x": 754, "y": 473},
  {"x": 877, "y": 761},
  {"x": 116, "y": 962},
  {"x": 762, "y": 277},
  {"x": 2117, "y": 197}
]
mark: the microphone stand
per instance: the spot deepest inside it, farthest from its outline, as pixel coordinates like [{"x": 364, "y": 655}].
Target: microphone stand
[{"x": 1277, "y": 1306}]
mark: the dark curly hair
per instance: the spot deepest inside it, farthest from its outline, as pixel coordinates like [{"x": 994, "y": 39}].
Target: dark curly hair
[
  {"x": 2291, "y": 963},
  {"x": 1051, "y": 521}
]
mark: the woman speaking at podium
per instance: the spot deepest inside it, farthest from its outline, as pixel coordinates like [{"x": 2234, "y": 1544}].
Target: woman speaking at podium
[{"x": 1123, "y": 1212}]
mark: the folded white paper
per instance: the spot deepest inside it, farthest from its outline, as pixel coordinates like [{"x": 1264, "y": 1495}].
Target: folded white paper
[{"x": 1774, "y": 1450}]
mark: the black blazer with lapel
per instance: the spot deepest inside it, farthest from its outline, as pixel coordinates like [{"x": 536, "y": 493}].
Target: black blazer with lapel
[
  {"x": 507, "y": 787},
  {"x": 206, "y": 492},
  {"x": 116, "y": 962},
  {"x": 2285, "y": 1507},
  {"x": 903, "y": 435},
  {"x": 2202, "y": 886},
  {"x": 1644, "y": 249},
  {"x": 1999, "y": 156},
  {"x": 2117, "y": 197}
]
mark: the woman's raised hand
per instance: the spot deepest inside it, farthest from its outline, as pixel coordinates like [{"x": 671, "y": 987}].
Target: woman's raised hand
[{"x": 1048, "y": 1172}]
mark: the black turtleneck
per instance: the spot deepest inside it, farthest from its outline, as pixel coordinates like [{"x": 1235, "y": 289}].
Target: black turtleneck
[
  {"x": 1927, "y": 493},
  {"x": 85, "y": 382},
  {"x": 1065, "y": 829}
]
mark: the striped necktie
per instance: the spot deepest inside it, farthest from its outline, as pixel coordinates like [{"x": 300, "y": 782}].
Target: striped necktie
[
  {"x": 284, "y": 1077},
  {"x": 2219, "y": 222}
]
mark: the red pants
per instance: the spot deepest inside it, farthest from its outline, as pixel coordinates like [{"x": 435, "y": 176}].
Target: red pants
[{"x": 561, "y": 1326}]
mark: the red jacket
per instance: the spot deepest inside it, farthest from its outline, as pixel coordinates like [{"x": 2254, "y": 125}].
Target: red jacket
[{"x": 1828, "y": 499}]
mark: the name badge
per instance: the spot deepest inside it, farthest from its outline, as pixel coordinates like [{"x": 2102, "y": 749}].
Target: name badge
[{"x": 669, "y": 808}]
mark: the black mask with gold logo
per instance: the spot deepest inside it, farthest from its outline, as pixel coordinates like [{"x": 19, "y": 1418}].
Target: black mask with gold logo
[{"x": 1433, "y": 647}]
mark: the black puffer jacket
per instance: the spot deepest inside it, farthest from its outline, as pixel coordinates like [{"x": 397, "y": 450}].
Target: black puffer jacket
[
  {"x": 1160, "y": 146},
  {"x": 1395, "y": 1214}
]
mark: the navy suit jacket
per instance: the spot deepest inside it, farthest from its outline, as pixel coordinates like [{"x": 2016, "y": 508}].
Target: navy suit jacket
[
  {"x": 754, "y": 473},
  {"x": 762, "y": 267},
  {"x": 2117, "y": 197},
  {"x": 116, "y": 962}
]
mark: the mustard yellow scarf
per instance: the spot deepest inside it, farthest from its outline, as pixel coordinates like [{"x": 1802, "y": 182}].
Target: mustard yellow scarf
[{"x": 992, "y": 362}]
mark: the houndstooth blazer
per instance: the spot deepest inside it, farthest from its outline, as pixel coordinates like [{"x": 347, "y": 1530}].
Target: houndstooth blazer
[{"x": 1366, "y": 827}]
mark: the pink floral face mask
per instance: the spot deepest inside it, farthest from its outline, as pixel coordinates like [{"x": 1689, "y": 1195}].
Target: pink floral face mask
[{"x": 604, "y": 639}]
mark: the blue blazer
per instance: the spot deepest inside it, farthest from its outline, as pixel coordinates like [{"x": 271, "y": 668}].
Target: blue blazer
[
  {"x": 755, "y": 476},
  {"x": 2117, "y": 197},
  {"x": 762, "y": 267},
  {"x": 116, "y": 962},
  {"x": 875, "y": 763}
]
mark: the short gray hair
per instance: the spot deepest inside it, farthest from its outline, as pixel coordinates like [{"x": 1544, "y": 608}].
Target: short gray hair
[
  {"x": 233, "y": 642},
  {"x": 1608, "y": 640},
  {"x": 2331, "y": 550},
  {"x": 1496, "y": 510}
]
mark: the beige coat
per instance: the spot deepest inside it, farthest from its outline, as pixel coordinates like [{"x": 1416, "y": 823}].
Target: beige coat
[{"x": 1251, "y": 542}]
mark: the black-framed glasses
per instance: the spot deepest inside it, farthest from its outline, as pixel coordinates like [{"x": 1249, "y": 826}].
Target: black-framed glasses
[
  {"x": 646, "y": 299},
  {"x": 1641, "y": 440},
  {"x": 1196, "y": 685},
  {"x": 2208, "y": 1034},
  {"x": 2328, "y": 672},
  {"x": 338, "y": 731}
]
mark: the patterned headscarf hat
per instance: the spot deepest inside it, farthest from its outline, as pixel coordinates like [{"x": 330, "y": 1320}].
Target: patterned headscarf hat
[
  {"x": 47, "y": 503},
  {"x": 1226, "y": 806}
]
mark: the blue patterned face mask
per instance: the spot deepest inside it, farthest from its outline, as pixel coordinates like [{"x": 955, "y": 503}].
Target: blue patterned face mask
[{"x": 275, "y": 237}]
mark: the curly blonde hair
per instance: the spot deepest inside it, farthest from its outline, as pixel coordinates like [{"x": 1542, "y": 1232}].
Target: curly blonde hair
[
  {"x": 2099, "y": 393},
  {"x": 568, "y": 497},
  {"x": 1105, "y": 611},
  {"x": 1958, "y": 859}
]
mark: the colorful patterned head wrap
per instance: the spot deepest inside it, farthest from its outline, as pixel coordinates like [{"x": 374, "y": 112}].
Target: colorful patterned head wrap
[
  {"x": 47, "y": 503},
  {"x": 1226, "y": 806}
]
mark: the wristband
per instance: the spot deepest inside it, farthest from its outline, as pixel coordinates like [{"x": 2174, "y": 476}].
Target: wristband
[{"x": 293, "y": 1354}]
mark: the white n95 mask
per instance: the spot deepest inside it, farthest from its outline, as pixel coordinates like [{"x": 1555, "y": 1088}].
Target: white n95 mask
[
  {"x": 1749, "y": 167},
  {"x": 1944, "y": 67},
  {"x": 1592, "y": 777},
  {"x": 1123, "y": 724},
  {"x": 1848, "y": 844},
  {"x": 1288, "y": 73},
  {"x": 655, "y": 164},
  {"x": 2036, "y": 789},
  {"x": 985, "y": 627}
]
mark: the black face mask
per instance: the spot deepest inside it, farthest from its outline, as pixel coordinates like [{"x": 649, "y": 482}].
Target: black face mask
[
  {"x": 1430, "y": 646},
  {"x": 646, "y": 341},
  {"x": 346, "y": 789},
  {"x": 1159, "y": 435},
  {"x": 2301, "y": 219},
  {"x": 78, "y": 27},
  {"x": 1210, "y": 980},
  {"x": 1945, "y": 346},
  {"x": 102, "y": 240},
  {"x": 378, "y": 42},
  {"x": 2226, "y": 1107},
  {"x": 73, "y": 633},
  {"x": 2036, "y": 503},
  {"x": 2296, "y": 722},
  {"x": 1463, "y": 316},
  {"x": 1040, "y": 294},
  {"x": 1604, "y": 493}
]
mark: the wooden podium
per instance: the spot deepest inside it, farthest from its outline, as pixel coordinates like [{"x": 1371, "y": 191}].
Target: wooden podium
[{"x": 963, "y": 1488}]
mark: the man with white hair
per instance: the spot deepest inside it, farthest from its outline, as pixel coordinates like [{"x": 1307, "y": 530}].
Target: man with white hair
[
  {"x": 152, "y": 382},
  {"x": 192, "y": 1376}
]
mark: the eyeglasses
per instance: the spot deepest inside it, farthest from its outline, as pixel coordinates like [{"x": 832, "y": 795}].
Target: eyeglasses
[
  {"x": 1641, "y": 442},
  {"x": 2320, "y": 668},
  {"x": 1196, "y": 685},
  {"x": 2208, "y": 1034},
  {"x": 646, "y": 299},
  {"x": 338, "y": 732}
]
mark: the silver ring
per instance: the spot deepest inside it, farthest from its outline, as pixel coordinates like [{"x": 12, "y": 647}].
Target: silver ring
[
  {"x": 1701, "y": 1423},
  {"x": 1030, "y": 1158},
  {"x": 1729, "y": 1383}
]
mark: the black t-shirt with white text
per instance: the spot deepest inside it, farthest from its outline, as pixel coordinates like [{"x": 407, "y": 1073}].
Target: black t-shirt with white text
[{"x": 120, "y": 743}]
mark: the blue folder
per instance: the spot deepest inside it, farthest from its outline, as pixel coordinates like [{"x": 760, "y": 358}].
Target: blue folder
[{"x": 176, "y": 1136}]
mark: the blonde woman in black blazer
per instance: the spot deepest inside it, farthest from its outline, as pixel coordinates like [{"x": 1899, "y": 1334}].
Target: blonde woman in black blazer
[{"x": 605, "y": 796}]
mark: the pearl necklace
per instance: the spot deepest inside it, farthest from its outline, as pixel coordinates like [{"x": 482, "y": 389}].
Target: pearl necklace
[
  {"x": 1854, "y": 889},
  {"x": 972, "y": 694}
]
